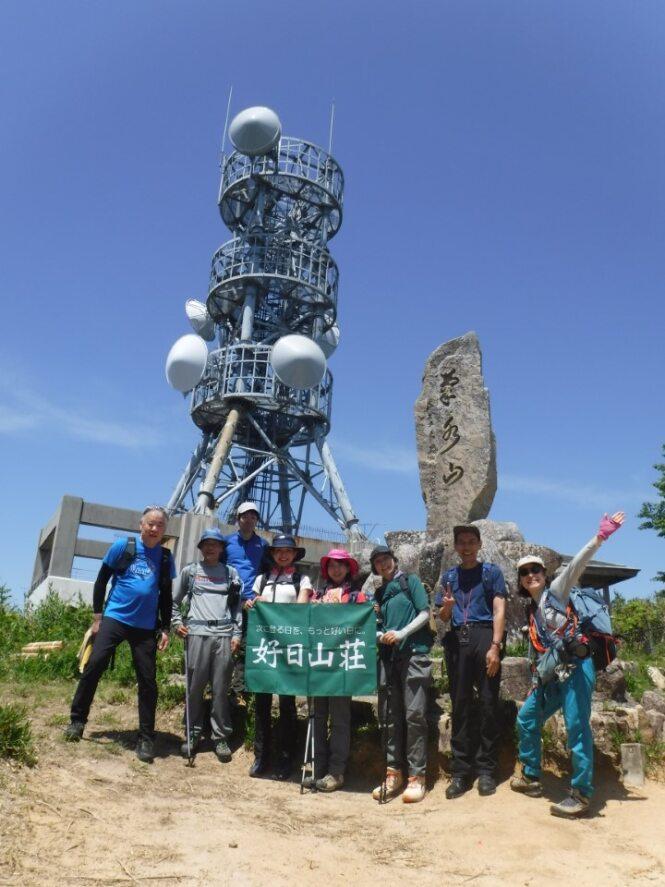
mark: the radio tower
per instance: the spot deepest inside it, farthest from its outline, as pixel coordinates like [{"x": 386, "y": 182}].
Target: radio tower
[{"x": 262, "y": 398}]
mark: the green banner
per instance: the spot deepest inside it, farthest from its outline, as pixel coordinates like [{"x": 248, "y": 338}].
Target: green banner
[{"x": 311, "y": 649}]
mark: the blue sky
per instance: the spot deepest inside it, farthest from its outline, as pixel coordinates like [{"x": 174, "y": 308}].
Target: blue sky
[{"x": 504, "y": 174}]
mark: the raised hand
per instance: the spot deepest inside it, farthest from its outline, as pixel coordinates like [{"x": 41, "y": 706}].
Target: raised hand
[{"x": 609, "y": 525}]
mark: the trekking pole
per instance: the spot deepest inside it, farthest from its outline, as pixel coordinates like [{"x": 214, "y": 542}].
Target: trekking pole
[
  {"x": 190, "y": 756},
  {"x": 388, "y": 668},
  {"x": 308, "y": 760}
]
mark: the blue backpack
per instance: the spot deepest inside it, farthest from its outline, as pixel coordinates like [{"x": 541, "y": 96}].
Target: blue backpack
[{"x": 588, "y": 623}]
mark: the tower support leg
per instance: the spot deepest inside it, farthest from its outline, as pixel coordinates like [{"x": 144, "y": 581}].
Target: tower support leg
[{"x": 205, "y": 503}]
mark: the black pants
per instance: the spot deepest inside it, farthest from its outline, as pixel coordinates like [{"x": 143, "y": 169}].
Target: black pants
[
  {"x": 143, "y": 644},
  {"x": 474, "y": 745},
  {"x": 286, "y": 727}
]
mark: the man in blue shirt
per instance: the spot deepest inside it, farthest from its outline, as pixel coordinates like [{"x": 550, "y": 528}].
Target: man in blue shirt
[
  {"x": 245, "y": 550},
  {"x": 473, "y": 597},
  {"x": 140, "y": 590}
]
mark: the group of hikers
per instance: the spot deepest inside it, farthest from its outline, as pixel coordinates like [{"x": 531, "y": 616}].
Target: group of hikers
[{"x": 208, "y": 605}]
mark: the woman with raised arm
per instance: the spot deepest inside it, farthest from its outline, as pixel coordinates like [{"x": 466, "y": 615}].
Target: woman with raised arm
[{"x": 564, "y": 673}]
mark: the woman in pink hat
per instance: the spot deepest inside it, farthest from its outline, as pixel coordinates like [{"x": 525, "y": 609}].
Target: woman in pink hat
[{"x": 338, "y": 570}]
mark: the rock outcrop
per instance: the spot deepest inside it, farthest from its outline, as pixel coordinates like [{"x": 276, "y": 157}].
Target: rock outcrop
[{"x": 456, "y": 444}]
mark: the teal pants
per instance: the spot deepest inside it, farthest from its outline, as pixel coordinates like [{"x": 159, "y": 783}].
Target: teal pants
[{"x": 573, "y": 696}]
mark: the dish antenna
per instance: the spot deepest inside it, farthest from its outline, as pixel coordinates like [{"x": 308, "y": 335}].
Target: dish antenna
[
  {"x": 298, "y": 361},
  {"x": 186, "y": 362},
  {"x": 202, "y": 323},
  {"x": 255, "y": 131}
]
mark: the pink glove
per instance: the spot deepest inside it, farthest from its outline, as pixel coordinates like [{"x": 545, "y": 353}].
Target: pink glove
[{"x": 607, "y": 526}]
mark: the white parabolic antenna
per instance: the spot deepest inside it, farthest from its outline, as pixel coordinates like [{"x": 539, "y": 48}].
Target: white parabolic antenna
[
  {"x": 329, "y": 340},
  {"x": 298, "y": 361},
  {"x": 202, "y": 323},
  {"x": 186, "y": 362},
  {"x": 255, "y": 131}
]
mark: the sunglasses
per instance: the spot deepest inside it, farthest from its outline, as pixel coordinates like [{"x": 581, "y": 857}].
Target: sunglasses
[{"x": 534, "y": 569}]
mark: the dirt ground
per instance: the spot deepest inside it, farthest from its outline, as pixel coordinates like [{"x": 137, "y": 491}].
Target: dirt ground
[{"x": 93, "y": 814}]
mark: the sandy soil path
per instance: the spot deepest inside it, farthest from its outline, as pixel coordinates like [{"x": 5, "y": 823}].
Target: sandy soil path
[{"x": 92, "y": 814}]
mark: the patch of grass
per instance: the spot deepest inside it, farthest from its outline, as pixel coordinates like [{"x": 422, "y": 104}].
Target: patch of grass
[
  {"x": 655, "y": 755},
  {"x": 58, "y": 720},
  {"x": 16, "y": 735},
  {"x": 116, "y": 696},
  {"x": 170, "y": 696}
]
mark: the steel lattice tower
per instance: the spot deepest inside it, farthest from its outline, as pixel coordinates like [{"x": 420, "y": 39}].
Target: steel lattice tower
[{"x": 261, "y": 439}]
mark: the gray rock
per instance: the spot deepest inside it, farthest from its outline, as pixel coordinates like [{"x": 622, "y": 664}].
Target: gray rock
[
  {"x": 656, "y": 721},
  {"x": 654, "y": 700},
  {"x": 515, "y": 678},
  {"x": 417, "y": 555},
  {"x": 657, "y": 677},
  {"x": 611, "y": 683},
  {"x": 456, "y": 445}
]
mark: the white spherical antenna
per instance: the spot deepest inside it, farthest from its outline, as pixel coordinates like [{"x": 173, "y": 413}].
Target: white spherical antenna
[
  {"x": 202, "y": 323},
  {"x": 298, "y": 361},
  {"x": 186, "y": 362},
  {"x": 329, "y": 341},
  {"x": 255, "y": 131}
]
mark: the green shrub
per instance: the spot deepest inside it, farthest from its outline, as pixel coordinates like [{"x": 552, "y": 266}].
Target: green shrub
[{"x": 16, "y": 736}]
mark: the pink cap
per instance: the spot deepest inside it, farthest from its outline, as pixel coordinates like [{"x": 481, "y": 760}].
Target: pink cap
[{"x": 339, "y": 554}]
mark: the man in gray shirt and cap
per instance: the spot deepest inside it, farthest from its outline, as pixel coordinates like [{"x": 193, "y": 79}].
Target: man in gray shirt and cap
[{"x": 208, "y": 615}]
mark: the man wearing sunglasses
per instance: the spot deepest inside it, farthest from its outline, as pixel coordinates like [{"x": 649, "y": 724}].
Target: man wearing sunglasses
[{"x": 473, "y": 597}]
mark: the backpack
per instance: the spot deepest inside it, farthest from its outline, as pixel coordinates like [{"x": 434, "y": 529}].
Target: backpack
[
  {"x": 233, "y": 587},
  {"x": 403, "y": 580},
  {"x": 587, "y": 621},
  {"x": 128, "y": 556},
  {"x": 296, "y": 579},
  {"x": 450, "y": 575}
]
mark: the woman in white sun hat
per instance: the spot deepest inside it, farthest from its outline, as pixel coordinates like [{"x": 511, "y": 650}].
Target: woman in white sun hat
[{"x": 564, "y": 673}]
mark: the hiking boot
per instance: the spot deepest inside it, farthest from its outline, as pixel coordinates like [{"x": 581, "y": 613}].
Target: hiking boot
[
  {"x": 415, "y": 790},
  {"x": 259, "y": 767},
  {"x": 575, "y": 805},
  {"x": 486, "y": 784},
  {"x": 74, "y": 731},
  {"x": 329, "y": 783},
  {"x": 393, "y": 785},
  {"x": 223, "y": 751},
  {"x": 283, "y": 768},
  {"x": 194, "y": 740},
  {"x": 459, "y": 785},
  {"x": 527, "y": 785},
  {"x": 145, "y": 750}
]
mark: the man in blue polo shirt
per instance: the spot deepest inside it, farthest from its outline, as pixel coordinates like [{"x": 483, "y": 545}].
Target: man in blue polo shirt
[
  {"x": 245, "y": 550},
  {"x": 140, "y": 592},
  {"x": 473, "y": 597}
]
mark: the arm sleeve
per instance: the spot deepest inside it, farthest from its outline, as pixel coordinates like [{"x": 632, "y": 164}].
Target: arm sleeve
[
  {"x": 99, "y": 591},
  {"x": 166, "y": 597},
  {"x": 421, "y": 619},
  {"x": 561, "y": 586}
]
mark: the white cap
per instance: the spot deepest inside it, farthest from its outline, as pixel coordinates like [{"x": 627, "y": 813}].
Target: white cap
[
  {"x": 531, "y": 559},
  {"x": 247, "y": 506}
]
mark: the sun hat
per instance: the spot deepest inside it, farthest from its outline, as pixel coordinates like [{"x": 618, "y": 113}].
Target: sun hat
[
  {"x": 531, "y": 559},
  {"x": 339, "y": 554},
  {"x": 214, "y": 534},
  {"x": 283, "y": 540},
  {"x": 248, "y": 506}
]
